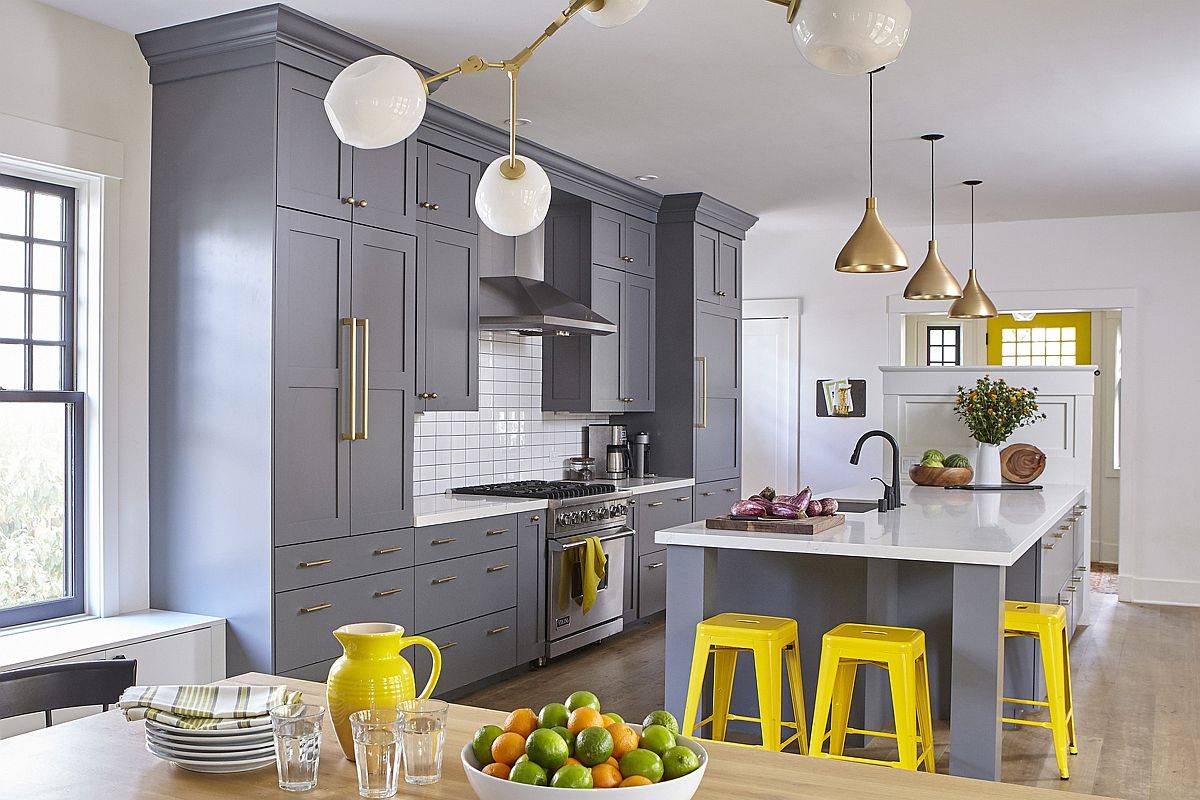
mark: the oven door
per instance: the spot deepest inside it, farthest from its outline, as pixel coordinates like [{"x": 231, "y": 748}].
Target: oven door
[{"x": 564, "y": 584}]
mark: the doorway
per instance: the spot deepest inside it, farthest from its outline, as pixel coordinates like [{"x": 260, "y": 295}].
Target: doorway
[{"x": 771, "y": 393}]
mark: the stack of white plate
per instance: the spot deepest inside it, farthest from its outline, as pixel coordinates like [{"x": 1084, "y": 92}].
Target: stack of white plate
[{"x": 238, "y": 750}]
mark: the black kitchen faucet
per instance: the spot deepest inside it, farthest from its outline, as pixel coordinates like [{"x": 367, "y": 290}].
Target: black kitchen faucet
[{"x": 891, "y": 494}]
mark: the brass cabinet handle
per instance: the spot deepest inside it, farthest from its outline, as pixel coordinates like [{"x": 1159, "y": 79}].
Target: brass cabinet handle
[
  {"x": 349, "y": 201},
  {"x": 496, "y": 532},
  {"x": 384, "y": 551},
  {"x": 497, "y": 568},
  {"x": 1081, "y": 507},
  {"x": 1076, "y": 579},
  {"x": 447, "y": 645},
  {"x": 1065, "y": 601},
  {"x": 1064, "y": 527},
  {"x": 655, "y": 504},
  {"x": 433, "y": 395},
  {"x": 430, "y": 206},
  {"x": 1071, "y": 589},
  {"x": 1059, "y": 535},
  {"x": 494, "y": 631},
  {"x": 731, "y": 488},
  {"x": 535, "y": 518},
  {"x": 388, "y": 592},
  {"x": 633, "y": 501},
  {"x": 655, "y": 565},
  {"x": 1049, "y": 546},
  {"x": 683, "y": 499},
  {"x": 703, "y": 362},
  {"x": 316, "y": 608},
  {"x": 366, "y": 367},
  {"x": 628, "y": 259},
  {"x": 361, "y": 204},
  {"x": 720, "y": 293},
  {"x": 447, "y": 540},
  {"x": 310, "y": 564},
  {"x": 447, "y": 579},
  {"x": 423, "y": 395},
  {"x": 626, "y": 399},
  {"x": 352, "y": 324},
  {"x": 706, "y": 494}
]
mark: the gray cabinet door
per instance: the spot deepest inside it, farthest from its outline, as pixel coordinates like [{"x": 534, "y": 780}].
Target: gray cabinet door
[
  {"x": 448, "y": 320},
  {"x": 637, "y": 343},
  {"x": 715, "y": 499},
  {"x": 383, "y": 296},
  {"x": 384, "y": 188},
  {"x": 314, "y": 168},
  {"x": 445, "y": 188},
  {"x": 718, "y": 342},
  {"x": 608, "y": 290},
  {"x": 718, "y": 444},
  {"x": 652, "y": 584},
  {"x": 311, "y": 483},
  {"x": 729, "y": 270},
  {"x": 706, "y": 244},
  {"x": 531, "y": 586},
  {"x": 608, "y": 237},
  {"x": 717, "y": 436},
  {"x": 565, "y": 373},
  {"x": 639, "y": 246}
]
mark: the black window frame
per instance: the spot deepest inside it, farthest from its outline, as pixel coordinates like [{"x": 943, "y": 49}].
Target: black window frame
[
  {"x": 957, "y": 330},
  {"x": 72, "y": 400}
]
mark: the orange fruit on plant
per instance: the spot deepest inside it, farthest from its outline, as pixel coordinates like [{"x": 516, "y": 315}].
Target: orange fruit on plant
[
  {"x": 584, "y": 718},
  {"x": 497, "y": 770},
  {"x": 636, "y": 780},
  {"x": 508, "y": 747},
  {"x": 523, "y": 721},
  {"x": 624, "y": 737},
  {"x": 606, "y": 776}
]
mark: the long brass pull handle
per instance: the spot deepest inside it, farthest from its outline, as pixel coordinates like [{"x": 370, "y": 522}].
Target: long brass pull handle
[
  {"x": 447, "y": 645},
  {"x": 351, "y": 323},
  {"x": 706, "y": 494},
  {"x": 656, "y": 565},
  {"x": 655, "y": 504},
  {"x": 447, "y": 579},
  {"x": 383, "y": 551},
  {"x": 496, "y": 532},
  {"x": 447, "y": 540},
  {"x": 494, "y": 631},
  {"x": 366, "y": 374},
  {"x": 310, "y": 564},
  {"x": 316, "y": 608},
  {"x": 497, "y": 568},
  {"x": 703, "y": 362},
  {"x": 388, "y": 592}
]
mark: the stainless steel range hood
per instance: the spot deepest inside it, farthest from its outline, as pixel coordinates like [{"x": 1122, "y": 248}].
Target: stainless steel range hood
[{"x": 513, "y": 295}]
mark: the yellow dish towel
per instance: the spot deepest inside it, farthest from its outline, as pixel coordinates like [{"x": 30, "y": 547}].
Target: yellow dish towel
[{"x": 594, "y": 564}]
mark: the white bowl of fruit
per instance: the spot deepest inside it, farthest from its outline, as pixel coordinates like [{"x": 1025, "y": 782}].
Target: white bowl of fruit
[{"x": 572, "y": 745}]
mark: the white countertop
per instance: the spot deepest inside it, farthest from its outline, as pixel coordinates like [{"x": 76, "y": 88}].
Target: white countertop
[
  {"x": 439, "y": 508},
  {"x": 960, "y": 527}
]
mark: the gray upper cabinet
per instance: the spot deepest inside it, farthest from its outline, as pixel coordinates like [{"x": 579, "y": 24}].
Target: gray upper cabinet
[
  {"x": 637, "y": 334},
  {"x": 718, "y": 267},
  {"x": 444, "y": 187},
  {"x": 608, "y": 295},
  {"x": 447, "y": 320},
  {"x": 639, "y": 246},
  {"x": 729, "y": 271},
  {"x": 384, "y": 188},
  {"x": 622, "y": 241}
]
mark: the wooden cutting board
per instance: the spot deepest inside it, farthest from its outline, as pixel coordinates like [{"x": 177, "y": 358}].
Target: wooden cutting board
[{"x": 808, "y": 525}]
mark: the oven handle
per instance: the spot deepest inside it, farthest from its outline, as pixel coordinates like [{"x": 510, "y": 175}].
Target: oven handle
[{"x": 559, "y": 547}]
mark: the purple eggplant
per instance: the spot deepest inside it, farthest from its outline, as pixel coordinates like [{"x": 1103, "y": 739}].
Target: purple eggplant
[
  {"x": 829, "y": 506},
  {"x": 767, "y": 494},
  {"x": 815, "y": 508},
  {"x": 749, "y": 508},
  {"x": 784, "y": 511},
  {"x": 804, "y": 496}
]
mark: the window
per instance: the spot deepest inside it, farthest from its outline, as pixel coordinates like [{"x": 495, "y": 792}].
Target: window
[
  {"x": 1048, "y": 340},
  {"x": 41, "y": 413},
  {"x": 943, "y": 346}
]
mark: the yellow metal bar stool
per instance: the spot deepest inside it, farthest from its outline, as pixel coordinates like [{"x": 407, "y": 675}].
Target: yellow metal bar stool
[
  {"x": 1047, "y": 623},
  {"x": 901, "y": 651},
  {"x": 774, "y": 642}
]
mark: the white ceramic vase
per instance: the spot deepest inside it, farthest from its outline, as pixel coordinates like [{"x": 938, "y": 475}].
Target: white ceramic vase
[{"x": 987, "y": 465}]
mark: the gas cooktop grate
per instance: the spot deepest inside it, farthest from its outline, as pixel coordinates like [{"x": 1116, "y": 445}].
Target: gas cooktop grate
[{"x": 540, "y": 490}]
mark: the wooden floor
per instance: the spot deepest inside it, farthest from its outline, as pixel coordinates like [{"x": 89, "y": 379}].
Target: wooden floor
[{"x": 1136, "y": 673}]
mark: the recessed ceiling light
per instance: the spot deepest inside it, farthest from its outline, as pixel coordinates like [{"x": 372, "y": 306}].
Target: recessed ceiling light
[
  {"x": 645, "y": 178},
  {"x": 520, "y": 121}
]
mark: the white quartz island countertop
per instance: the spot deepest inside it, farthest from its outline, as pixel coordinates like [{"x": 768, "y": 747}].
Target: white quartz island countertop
[{"x": 934, "y": 524}]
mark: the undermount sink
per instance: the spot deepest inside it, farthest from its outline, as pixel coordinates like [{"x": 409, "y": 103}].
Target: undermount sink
[{"x": 856, "y": 506}]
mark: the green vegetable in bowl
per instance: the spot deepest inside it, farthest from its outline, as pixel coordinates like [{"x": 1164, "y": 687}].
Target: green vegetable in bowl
[
  {"x": 929, "y": 461},
  {"x": 932, "y": 455},
  {"x": 957, "y": 460}
]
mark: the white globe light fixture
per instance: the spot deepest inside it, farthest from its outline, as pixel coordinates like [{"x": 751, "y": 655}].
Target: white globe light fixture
[
  {"x": 513, "y": 206},
  {"x": 851, "y": 37},
  {"x": 376, "y": 102},
  {"x": 611, "y": 13}
]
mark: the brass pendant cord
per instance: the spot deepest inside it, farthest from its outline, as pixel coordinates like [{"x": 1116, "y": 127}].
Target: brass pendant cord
[
  {"x": 870, "y": 134},
  {"x": 972, "y": 226},
  {"x": 932, "y": 193}
]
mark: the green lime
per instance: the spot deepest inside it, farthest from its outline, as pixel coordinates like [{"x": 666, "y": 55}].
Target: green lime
[
  {"x": 615, "y": 716},
  {"x": 527, "y": 772},
  {"x": 481, "y": 745},
  {"x": 547, "y": 749},
  {"x": 572, "y": 776},
  {"x": 642, "y": 762},
  {"x": 657, "y": 739},
  {"x": 679, "y": 761},
  {"x": 553, "y": 715},
  {"x": 567, "y": 736},
  {"x": 593, "y": 746},
  {"x": 664, "y": 718},
  {"x": 582, "y": 700}
]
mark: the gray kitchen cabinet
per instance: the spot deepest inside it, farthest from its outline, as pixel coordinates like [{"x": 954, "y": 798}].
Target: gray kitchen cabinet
[
  {"x": 444, "y": 186},
  {"x": 652, "y": 584},
  {"x": 608, "y": 293},
  {"x": 465, "y": 588},
  {"x": 729, "y": 271},
  {"x": 447, "y": 320},
  {"x": 715, "y": 498},
  {"x": 332, "y": 560},
  {"x": 385, "y": 188},
  {"x": 471, "y": 650},
  {"x": 531, "y": 586},
  {"x": 622, "y": 241},
  {"x": 718, "y": 267},
  {"x": 465, "y": 538},
  {"x": 658, "y": 511},
  {"x": 637, "y": 334}
]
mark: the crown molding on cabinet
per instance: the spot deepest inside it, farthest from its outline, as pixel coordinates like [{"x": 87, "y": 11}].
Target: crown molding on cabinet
[{"x": 707, "y": 210}]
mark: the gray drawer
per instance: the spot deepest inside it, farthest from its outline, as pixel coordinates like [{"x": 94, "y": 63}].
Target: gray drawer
[
  {"x": 657, "y": 511},
  {"x": 714, "y": 498},
  {"x": 1081, "y": 539},
  {"x": 1058, "y": 560},
  {"x": 318, "y": 672},
  {"x": 471, "y": 650},
  {"x": 454, "y": 539},
  {"x": 463, "y": 588},
  {"x": 652, "y": 584},
  {"x": 305, "y": 618},
  {"x": 332, "y": 560}
]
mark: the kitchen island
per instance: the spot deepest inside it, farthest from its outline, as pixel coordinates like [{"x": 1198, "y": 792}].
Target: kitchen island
[{"x": 944, "y": 562}]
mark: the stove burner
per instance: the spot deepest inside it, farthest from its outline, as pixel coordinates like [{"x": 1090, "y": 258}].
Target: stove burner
[{"x": 541, "y": 490}]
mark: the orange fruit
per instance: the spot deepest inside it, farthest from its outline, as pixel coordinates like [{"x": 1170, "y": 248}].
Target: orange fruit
[
  {"x": 497, "y": 770},
  {"x": 614, "y": 762},
  {"x": 584, "y": 718},
  {"x": 608, "y": 720},
  {"x": 624, "y": 739},
  {"x": 572, "y": 760},
  {"x": 508, "y": 747},
  {"x": 605, "y": 776},
  {"x": 636, "y": 780},
  {"x": 523, "y": 721}
]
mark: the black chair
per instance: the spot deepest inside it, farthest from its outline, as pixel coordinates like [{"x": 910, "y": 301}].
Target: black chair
[{"x": 84, "y": 683}]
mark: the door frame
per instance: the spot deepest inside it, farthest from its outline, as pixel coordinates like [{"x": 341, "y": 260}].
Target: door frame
[{"x": 791, "y": 309}]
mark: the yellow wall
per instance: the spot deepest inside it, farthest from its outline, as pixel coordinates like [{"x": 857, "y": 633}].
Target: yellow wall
[{"x": 1082, "y": 322}]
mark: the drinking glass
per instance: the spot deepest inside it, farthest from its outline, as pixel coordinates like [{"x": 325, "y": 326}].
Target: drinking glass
[
  {"x": 376, "y": 751},
  {"x": 423, "y": 732},
  {"x": 297, "y": 745}
]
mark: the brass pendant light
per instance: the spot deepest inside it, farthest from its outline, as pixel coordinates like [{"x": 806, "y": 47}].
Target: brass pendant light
[
  {"x": 974, "y": 303},
  {"x": 871, "y": 249},
  {"x": 933, "y": 281}
]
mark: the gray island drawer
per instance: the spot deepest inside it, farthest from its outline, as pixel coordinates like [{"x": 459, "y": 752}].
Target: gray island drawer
[
  {"x": 300, "y": 565},
  {"x": 463, "y": 588},
  {"x": 454, "y": 539}
]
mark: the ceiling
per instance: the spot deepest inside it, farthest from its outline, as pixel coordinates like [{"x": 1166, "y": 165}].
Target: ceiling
[{"x": 1069, "y": 108}]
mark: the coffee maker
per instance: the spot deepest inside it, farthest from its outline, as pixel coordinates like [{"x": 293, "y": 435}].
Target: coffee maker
[
  {"x": 608, "y": 445},
  {"x": 639, "y": 452}
]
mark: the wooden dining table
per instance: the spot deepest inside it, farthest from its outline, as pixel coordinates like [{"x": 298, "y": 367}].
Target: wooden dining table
[{"x": 103, "y": 757}]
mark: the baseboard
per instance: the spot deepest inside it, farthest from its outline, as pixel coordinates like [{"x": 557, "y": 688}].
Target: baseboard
[{"x": 1158, "y": 591}]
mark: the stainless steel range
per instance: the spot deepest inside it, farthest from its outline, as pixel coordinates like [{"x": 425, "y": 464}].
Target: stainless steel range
[{"x": 577, "y": 511}]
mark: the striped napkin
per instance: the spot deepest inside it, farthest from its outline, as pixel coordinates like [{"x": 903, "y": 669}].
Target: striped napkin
[{"x": 205, "y": 707}]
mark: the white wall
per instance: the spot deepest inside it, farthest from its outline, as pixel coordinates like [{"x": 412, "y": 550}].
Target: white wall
[
  {"x": 63, "y": 71},
  {"x": 845, "y": 333}
]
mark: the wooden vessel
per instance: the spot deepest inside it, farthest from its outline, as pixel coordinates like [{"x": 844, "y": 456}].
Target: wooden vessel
[
  {"x": 940, "y": 476},
  {"x": 806, "y": 526},
  {"x": 1022, "y": 463}
]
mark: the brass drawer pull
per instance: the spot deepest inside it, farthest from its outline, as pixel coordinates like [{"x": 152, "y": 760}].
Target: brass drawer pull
[
  {"x": 447, "y": 645},
  {"x": 1049, "y": 546},
  {"x": 1081, "y": 507},
  {"x": 385, "y": 551},
  {"x": 430, "y": 206},
  {"x": 388, "y": 592},
  {"x": 497, "y": 568},
  {"x": 349, "y": 201},
  {"x": 1065, "y": 601},
  {"x": 316, "y": 608},
  {"x": 655, "y": 504},
  {"x": 731, "y": 488},
  {"x": 311, "y": 564},
  {"x": 1076, "y": 579},
  {"x": 655, "y": 565},
  {"x": 447, "y": 579},
  {"x": 1064, "y": 527},
  {"x": 495, "y": 631},
  {"x": 1072, "y": 589},
  {"x": 706, "y": 494},
  {"x": 496, "y": 532},
  {"x": 447, "y": 540},
  {"x": 683, "y": 499}
]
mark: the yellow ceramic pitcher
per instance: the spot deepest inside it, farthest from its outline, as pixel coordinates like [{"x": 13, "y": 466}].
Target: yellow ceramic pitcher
[{"x": 372, "y": 673}]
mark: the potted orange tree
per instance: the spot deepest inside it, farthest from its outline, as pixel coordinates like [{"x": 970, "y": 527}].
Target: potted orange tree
[{"x": 992, "y": 410}]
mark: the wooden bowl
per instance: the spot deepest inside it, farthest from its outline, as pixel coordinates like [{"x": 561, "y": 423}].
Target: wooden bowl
[{"x": 940, "y": 476}]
